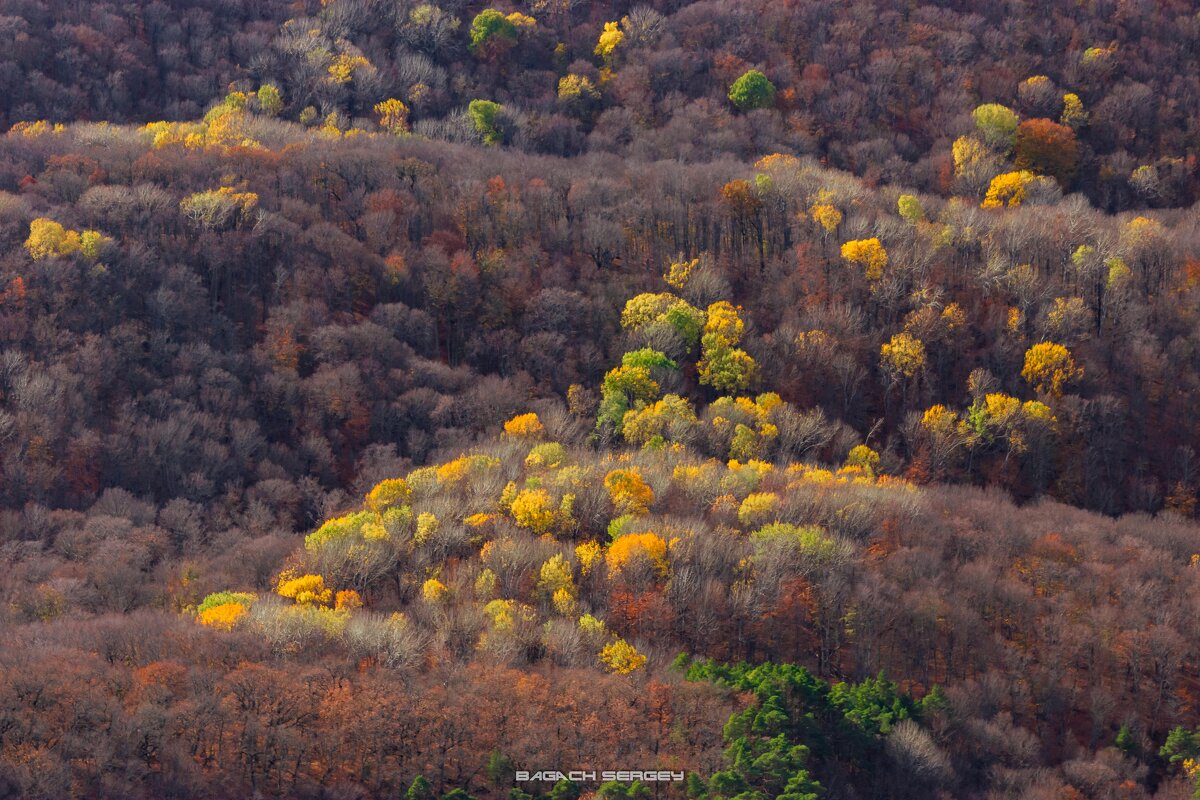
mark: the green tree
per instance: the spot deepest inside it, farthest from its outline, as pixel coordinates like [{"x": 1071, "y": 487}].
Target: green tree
[
  {"x": 499, "y": 768},
  {"x": 910, "y": 209},
  {"x": 752, "y": 90},
  {"x": 270, "y": 101},
  {"x": 613, "y": 790},
  {"x": 565, "y": 790},
  {"x": 491, "y": 26},
  {"x": 484, "y": 115},
  {"x": 997, "y": 124},
  {"x": 420, "y": 789}
]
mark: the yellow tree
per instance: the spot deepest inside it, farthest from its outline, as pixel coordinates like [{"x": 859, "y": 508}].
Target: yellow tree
[
  {"x": 48, "y": 238},
  {"x": 902, "y": 357},
  {"x": 621, "y": 657},
  {"x": 610, "y": 37},
  {"x": 649, "y": 547},
  {"x": 305, "y": 590},
  {"x": 723, "y": 365},
  {"x": 868, "y": 254},
  {"x": 629, "y": 491},
  {"x": 1049, "y": 367},
  {"x": 533, "y": 509},
  {"x": 1008, "y": 189},
  {"x": 393, "y": 115},
  {"x": 524, "y": 426}
]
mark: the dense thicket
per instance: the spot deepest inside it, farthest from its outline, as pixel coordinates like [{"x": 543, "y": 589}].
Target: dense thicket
[
  {"x": 349, "y": 304},
  {"x": 126, "y": 61},
  {"x": 881, "y": 88}
]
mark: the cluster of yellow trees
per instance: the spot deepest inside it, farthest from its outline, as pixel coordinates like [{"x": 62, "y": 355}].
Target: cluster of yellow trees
[{"x": 48, "y": 239}]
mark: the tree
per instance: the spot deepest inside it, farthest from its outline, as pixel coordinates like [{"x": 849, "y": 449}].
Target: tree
[
  {"x": 609, "y": 39},
  {"x": 484, "y": 115},
  {"x": 827, "y": 216},
  {"x": 491, "y": 32},
  {"x": 621, "y": 657},
  {"x": 578, "y": 95},
  {"x": 224, "y": 609},
  {"x": 629, "y": 491},
  {"x": 1047, "y": 148},
  {"x": 868, "y": 254},
  {"x": 524, "y": 426},
  {"x": 624, "y": 388},
  {"x": 270, "y": 101},
  {"x": 902, "y": 357},
  {"x": 48, "y": 238},
  {"x": 420, "y": 789},
  {"x": 645, "y": 548},
  {"x": 533, "y": 509},
  {"x": 1049, "y": 367},
  {"x": 393, "y": 115},
  {"x": 997, "y": 124},
  {"x": 1008, "y": 189},
  {"x": 671, "y": 419},
  {"x": 305, "y": 589},
  {"x": 1073, "y": 115},
  {"x": 752, "y": 90},
  {"x": 722, "y": 364},
  {"x": 910, "y": 209}
]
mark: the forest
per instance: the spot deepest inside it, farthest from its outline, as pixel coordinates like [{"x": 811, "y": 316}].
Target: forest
[{"x": 797, "y": 396}]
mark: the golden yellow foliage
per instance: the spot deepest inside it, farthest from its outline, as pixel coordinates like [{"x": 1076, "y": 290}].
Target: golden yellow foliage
[
  {"x": 554, "y": 575},
  {"x": 939, "y": 419},
  {"x": 679, "y": 273},
  {"x": 629, "y": 491},
  {"x": 48, "y": 238},
  {"x": 825, "y": 215},
  {"x": 610, "y": 37},
  {"x": 864, "y": 458},
  {"x": 485, "y": 585},
  {"x": 533, "y": 509},
  {"x": 650, "y": 546},
  {"x": 32, "y": 130},
  {"x": 305, "y": 590},
  {"x": 388, "y": 493},
  {"x": 572, "y": 87},
  {"x": 621, "y": 657},
  {"x": 427, "y": 525},
  {"x": 520, "y": 20},
  {"x": 505, "y": 613},
  {"x": 224, "y": 616},
  {"x": 969, "y": 154},
  {"x": 564, "y": 602},
  {"x": 1008, "y": 189},
  {"x": 1073, "y": 114},
  {"x": 591, "y": 625},
  {"x": 1049, "y": 367},
  {"x": 393, "y": 115},
  {"x": 434, "y": 591},
  {"x": 344, "y": 66},
  {"x": 757, "y": 508},
  {"x": 524, "y": 425},
  {"x": 347, "y": 600},
  {"x": 903, "y": 356},
  {"x": 588, "y": 553},
  {"x": 867, "y": 253}
]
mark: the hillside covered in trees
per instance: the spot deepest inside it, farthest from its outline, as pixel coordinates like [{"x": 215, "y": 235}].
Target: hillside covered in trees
[
  {"x": 796, "y": 397},
  {"x": 881, "y": 88}
]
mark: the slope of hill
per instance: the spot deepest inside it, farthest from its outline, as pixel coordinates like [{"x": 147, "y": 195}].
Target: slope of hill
[{"x": 398, "y": 396}]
